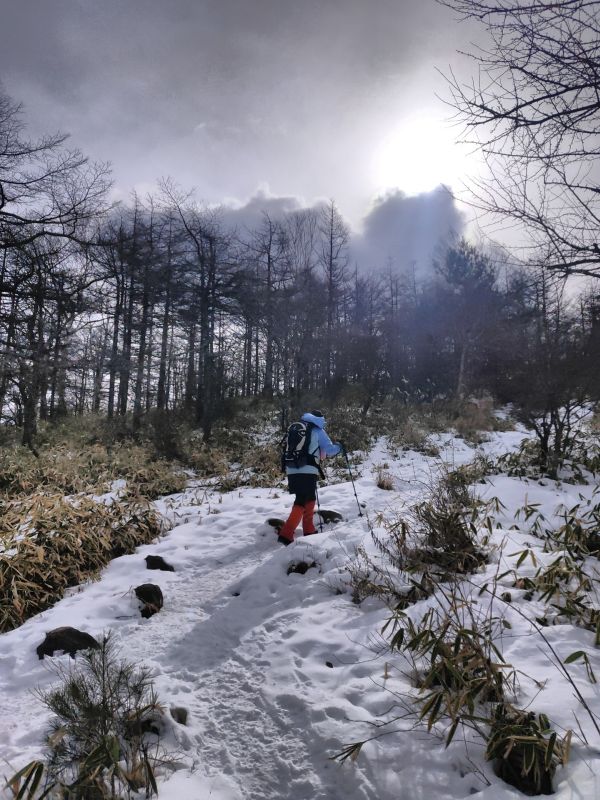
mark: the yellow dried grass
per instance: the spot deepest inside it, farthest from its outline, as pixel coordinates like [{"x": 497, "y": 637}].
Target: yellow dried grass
[
  {"x": 92, "y": 469},
  {"x": 49, "y": 543}
]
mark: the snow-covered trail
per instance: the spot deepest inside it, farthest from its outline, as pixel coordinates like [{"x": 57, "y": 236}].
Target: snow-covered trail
[
  {"x": 221, "y": 666},
  {"x": 206, "y": 650},
  {"x": 229, "y": 644}
]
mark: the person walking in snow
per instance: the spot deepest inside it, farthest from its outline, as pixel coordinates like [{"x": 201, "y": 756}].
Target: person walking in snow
[{"x": 306, "y": 445}]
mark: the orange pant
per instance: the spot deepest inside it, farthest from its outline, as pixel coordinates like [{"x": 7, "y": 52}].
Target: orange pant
[{"x": 299, "y": 512}]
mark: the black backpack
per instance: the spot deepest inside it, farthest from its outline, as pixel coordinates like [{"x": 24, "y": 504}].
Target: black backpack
[{"x": 295, "y": 444}]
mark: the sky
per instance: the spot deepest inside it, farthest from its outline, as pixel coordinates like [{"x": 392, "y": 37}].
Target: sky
[{"x": 247, "y": 99}]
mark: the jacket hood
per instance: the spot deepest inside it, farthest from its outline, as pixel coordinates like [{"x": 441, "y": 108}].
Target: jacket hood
[{"x": 320, "y": 422}]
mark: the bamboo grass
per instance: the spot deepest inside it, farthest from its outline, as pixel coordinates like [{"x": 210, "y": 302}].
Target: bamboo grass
[{"x": 49, "y": 543}]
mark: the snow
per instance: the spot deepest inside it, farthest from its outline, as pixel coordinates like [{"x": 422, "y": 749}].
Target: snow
[{"x": 279, "y": 672}]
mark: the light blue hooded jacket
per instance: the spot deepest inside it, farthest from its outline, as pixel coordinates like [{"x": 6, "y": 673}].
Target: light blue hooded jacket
[{"x": 320, "y": 445}]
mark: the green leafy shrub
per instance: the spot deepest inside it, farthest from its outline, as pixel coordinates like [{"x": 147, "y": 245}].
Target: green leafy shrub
[
  {"x": 441, "y": 532},
  {"x": 474, "y": 472},
  {"x": 454, "y": 662},
  {"x": 578, "y": 461},
  {"x": 526, "y": 462}
]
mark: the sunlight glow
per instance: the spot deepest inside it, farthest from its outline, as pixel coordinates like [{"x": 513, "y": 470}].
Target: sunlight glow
[{"x": 420, "y": 154}]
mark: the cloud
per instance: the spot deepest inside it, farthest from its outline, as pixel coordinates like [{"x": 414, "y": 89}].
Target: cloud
[
  {"x": 226, "y": 94},
  {"x": 407, "y": 230},
  {"x": 401, "y": 229},
  {"x": 249, "y": 215}
]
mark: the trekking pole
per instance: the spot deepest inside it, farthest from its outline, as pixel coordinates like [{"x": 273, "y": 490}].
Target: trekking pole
[
  {"x": 352, "y": 479},
  {"x": 319, "y": 510}
]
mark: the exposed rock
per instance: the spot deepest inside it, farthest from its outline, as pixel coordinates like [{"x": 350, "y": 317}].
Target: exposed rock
[
  {"x": 68, "y": 640},
  {"x": 330, "y": 516},
  {"x": 179, "y": 714},
  {"x": 158, "y": 562},
  {"x": 300, "y": 567},
  {"x": 149, "y": 722},
  {"x": 151, "y": 597}
]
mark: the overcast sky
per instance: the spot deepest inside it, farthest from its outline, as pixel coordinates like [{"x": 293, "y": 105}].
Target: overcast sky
[{"x": 301, "y": 99}]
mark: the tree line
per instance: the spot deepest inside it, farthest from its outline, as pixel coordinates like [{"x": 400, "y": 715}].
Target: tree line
[{"x": 159, "y": 305}]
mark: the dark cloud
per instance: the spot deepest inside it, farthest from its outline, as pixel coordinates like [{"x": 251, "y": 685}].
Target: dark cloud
[
  {"x": 250, "y": 215},
  {"x": 408, "y": 231},
  {"x": 227, "y": 95}
]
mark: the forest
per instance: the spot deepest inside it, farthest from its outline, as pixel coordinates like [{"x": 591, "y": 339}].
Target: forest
[{"x": 155, "y": 306}]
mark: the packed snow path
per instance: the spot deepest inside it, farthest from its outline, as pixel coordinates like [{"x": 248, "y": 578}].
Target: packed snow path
[{"x": 277, "y": 671}]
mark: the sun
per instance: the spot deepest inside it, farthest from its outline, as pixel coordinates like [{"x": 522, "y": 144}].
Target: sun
[{"x": 419, "y": 154}]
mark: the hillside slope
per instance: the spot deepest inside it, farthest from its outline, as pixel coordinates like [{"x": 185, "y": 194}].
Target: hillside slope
[{"x": 279, "y": 672}]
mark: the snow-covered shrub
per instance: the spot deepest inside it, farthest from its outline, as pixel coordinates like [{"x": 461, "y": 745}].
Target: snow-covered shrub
[
  {"x": 104, "y": 740},
  {"x": 463, "y": 680},
  {"x": 433, "y": 541},
  {"x": 526, "y": 462},
  {"x": 474, "y": 471},
  {"x": 443, "y": 530},
  {"x": 453, "y": 660},
  {"x": 383, "y": 577}
]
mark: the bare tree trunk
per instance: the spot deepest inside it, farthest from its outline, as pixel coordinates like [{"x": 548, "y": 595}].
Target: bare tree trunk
[
  {"x": 4, "y": 371},
  {"x": 161, "y": 395},
  {"x": 114, "y": 352},
  {"x": 149, "y": 358},
  {"x": 99, "y": 373},
  {"x": 170, "y": 370},
  {"x": 29, "y": 400},
  {"x": 461, "y": 381},
  {"x": 141, "y": 356},
  {"x": 125, "y": 366},
  {"x": 190, "y": 383}
]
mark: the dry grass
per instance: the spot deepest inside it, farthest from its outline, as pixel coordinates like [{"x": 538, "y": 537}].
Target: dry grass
[
  {"x": 474, "y": 419},
  {"x": 91, "y": 469},
  {"x": 53, "y": 534},
  {"x": 383, "y": 478},
  {"x": 49, "y": 543}
]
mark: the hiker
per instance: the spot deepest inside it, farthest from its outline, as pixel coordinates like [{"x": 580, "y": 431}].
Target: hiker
[{"x": 301, "y": 459}]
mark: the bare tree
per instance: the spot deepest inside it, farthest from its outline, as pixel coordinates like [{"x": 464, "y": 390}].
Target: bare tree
[
  {"x": 212, "y": 282},
  {"x": 533, "y": 108},
  {"x": 546, "y": 356},
  {"x": 37, "y": 324},
  {"x": 46, "y": 190},
  {"x": 333, "y": 258}
]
